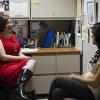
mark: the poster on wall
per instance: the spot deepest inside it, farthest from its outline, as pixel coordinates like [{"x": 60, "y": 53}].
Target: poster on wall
[
  {"x": 6, "y": 5},
  {"x": 18, "y": 8},
  {"x": 85, "y": 33},
  {"x": 35, "y": 1},
  {"x": 91, "y": 12}
]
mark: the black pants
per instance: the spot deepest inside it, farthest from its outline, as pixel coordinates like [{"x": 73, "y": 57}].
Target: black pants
[{"x": 66, "y": 87}]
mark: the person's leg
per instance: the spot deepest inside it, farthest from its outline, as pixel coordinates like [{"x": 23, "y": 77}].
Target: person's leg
[
  {"x": 30, "y": 91},
  {"x": 31, "y": 64},
  {"x": 55, "y": 91},
  {"x": 69, "y": 88},
  {"x": 25, "y": 78},
  {"x": 58, "y": 94}
]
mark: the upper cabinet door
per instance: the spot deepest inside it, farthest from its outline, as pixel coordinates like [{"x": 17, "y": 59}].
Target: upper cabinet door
[
  {"x": 53, "y": 9},
  {"x": 19, "y": 9}
]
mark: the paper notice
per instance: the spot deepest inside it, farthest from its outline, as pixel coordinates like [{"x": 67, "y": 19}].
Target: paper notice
[
  {"x": 35, "y": 1},
  {"x": 18, "y": 9}
]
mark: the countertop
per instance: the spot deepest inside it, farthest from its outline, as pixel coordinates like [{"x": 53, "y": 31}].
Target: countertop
[{"x": 39, "y": 51}]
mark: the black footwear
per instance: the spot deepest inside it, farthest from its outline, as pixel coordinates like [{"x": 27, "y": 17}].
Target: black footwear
[
  {"x": 31, "y": 95},
  {"x": 23, "y": 79}
]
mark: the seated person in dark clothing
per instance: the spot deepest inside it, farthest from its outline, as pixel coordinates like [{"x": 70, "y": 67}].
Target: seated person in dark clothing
[{"x": 81, "y": 87}]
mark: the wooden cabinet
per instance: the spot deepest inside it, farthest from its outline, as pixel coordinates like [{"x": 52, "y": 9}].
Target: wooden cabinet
[
  {"x": 45, "y": 64},
  {"x": 42, "y": 83},
  {"x": 52, "y": 62},
  {"x": 26, "y": 9},
  {"x": 44, "y": 73},
  {"x": 53, "y": 9},
  {"x": 68, "y": 63}
]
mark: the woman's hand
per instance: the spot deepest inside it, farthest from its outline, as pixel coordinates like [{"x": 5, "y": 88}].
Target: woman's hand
[
  {"x": 89, "y": 81},
  {"x": 24, "y": 56},
  {"x": 76, "y": 77}
]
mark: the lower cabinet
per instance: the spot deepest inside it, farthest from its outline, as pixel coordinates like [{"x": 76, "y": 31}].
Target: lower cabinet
[
  {"x": 45, "y": 64},
  {"x": 68, "y": 64},
  {"x": 50, "y": 66},
  {"x": 42, "y": 83}
]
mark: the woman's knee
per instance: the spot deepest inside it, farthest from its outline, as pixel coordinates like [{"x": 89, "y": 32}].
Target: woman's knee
[
  {"x": 56, "y": 81},
  {"x": 31, "y": 64},
  {"x": 32, "y": 61}
]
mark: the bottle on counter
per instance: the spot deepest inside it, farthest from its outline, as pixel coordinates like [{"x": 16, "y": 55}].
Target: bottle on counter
[
  {"x": 67, "y": 42},
  {"x": 57, "y": 39}
]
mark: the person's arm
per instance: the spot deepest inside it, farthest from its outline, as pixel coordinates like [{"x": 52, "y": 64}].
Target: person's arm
[
  {"x": 5, "y": 57},
  {"x": 94, "y": 81},
  {"x": 21, "y": 54}
]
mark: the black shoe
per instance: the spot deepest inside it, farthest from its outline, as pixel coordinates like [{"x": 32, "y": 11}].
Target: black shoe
[{"x": 31, "y": 95}]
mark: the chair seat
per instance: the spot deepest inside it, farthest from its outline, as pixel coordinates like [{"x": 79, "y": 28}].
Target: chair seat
[{"x": 5, "y": 91}]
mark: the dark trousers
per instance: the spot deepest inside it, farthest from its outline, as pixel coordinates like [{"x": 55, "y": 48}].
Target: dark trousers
[{"x": 66, "y": 87}]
